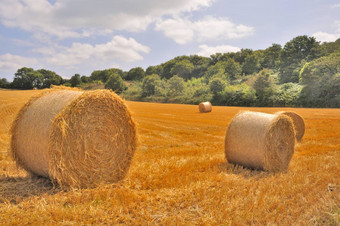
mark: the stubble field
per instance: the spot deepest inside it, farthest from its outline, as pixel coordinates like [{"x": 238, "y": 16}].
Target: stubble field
[{"x": 179, "y": 175}]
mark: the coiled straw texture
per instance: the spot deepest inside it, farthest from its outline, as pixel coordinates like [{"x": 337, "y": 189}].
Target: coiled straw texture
[
  {"x": 298, "y": 122},
  {"x": 261, "y": 141},
  {"x": 78, "y": 139},
  {"x": 205, "y": 107}
]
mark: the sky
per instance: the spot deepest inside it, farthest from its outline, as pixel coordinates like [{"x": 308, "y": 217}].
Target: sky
[{"x": 80, "y": 36}]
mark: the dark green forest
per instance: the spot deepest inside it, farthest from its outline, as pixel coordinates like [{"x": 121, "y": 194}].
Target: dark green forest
[{"x": 302, "y": 73}]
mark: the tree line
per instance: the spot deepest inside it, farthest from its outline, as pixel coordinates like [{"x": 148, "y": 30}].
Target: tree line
[{"x": 302, "y": 73}]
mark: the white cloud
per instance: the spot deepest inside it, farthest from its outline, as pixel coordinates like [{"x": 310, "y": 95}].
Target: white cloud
[
  {"x": 183, "y": 31},
  {"x": 326, "y": 37},
  {"x": 177, "y": 29},
  {"x": 336, "y": 6},
  {"x": 34, "y": 16},
  {"x": 119, "y": 49},
  {"x": 72, "y": 56},
  {"x": 10, "y": 63},
  {"x": 207, "y": 51},
  {"x": 81, "y": 18}
]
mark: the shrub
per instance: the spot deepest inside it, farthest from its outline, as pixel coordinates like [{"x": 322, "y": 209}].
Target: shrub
[{"x": 116, "y": 84}]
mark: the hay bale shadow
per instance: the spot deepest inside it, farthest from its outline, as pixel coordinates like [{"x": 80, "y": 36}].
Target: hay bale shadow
[
  {"x": 16, "y": 189},
  {"x": 246, "y": 172}
]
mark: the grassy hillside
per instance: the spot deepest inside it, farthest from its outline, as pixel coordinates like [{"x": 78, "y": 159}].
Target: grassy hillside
[{"x": 179, "y": 175}]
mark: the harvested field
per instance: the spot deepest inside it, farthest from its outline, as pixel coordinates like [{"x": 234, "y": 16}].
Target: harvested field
[{"x": 179, "y": 175}]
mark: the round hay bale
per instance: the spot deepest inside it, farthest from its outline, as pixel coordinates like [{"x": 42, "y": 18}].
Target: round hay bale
[
  {"x": 205, "y": 107},
  {"x": 78, "y": 139},
  {"x": 261, "y": 141},
  {"x": 299, "y": 123}
]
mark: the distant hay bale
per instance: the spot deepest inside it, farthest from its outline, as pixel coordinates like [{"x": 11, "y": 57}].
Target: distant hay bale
[
  {"x": 261, "y": 141},
  {"x": 78, "y": 139},
  {"x": 205, "y": 107},
  {"x": 299, "y": 123}
]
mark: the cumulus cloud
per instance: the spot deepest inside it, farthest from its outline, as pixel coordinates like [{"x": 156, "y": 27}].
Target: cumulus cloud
[
  {"x": 326, "y": 37},
  {"x": 329, "y": 37},
  {"x": 119, "y": 49},
  {"x": 10, "y": 63},
  {"x": 207, "y": 51},
  {"x": 80, "y": 18},
  {"x": 183, "y": 31},
  {"x": 34, "y": 16},
  {"x": 177, "y": 29}
]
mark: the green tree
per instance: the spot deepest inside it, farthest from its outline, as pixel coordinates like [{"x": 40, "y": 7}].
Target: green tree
[
  {"x": 328, "y": 48},
  {"x": 75, "y": 80},
  {"x": 50, "y": 78},
  {"x": 136, "y": 73},
  {"x": 200, "y": 65},
  {"x": 197, "y": 90},
  {"x": 154, "y": 70},
  {"x": 27, "y": 78},
  {"x": 4, "y": 83},
  {"x": 241, "y": 56},
  {"x": 96, "y": 76},
  {"x": 299, "y": 49},
  {"x": 321, "y": 80},
  {"x": 176, "y": 85},
  {"x": 217, "y": 85},
  {"x": 115, "y": 83},
  {"x": 149, "y": 85},
  {"x": 199, "y": 60},
  {"x": 288, "y": 95},
  {"x": 264, "y": 88},
  {"x": 201, "y": 93},
  {"x": 237, "y": 95},
  {"x": 134, "y": 92},
  {"x": 104, "y": 75},
  {"x": 166, "y": 68},
  {"x": 232, "y": 68},
  {"x": 217, "y": 70},
  {"x": 271, "y": 57},
  {"x": 251, "y": 64},
  {"x": 183, "y": 69},
  {"x": 85, "y": 79},
  {"x": 214, "y": 58}
]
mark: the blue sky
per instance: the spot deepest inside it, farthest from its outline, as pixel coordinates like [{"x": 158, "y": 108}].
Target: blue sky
[{"x": 80, "y": 36}]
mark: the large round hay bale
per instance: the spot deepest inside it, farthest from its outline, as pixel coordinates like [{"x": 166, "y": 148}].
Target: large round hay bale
[
  {"x": 261, "y": 141},
  {"x": 205, "y": 107},
  {"x": 78, "y": 139},
  {"x": 299, "y": 123}
]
